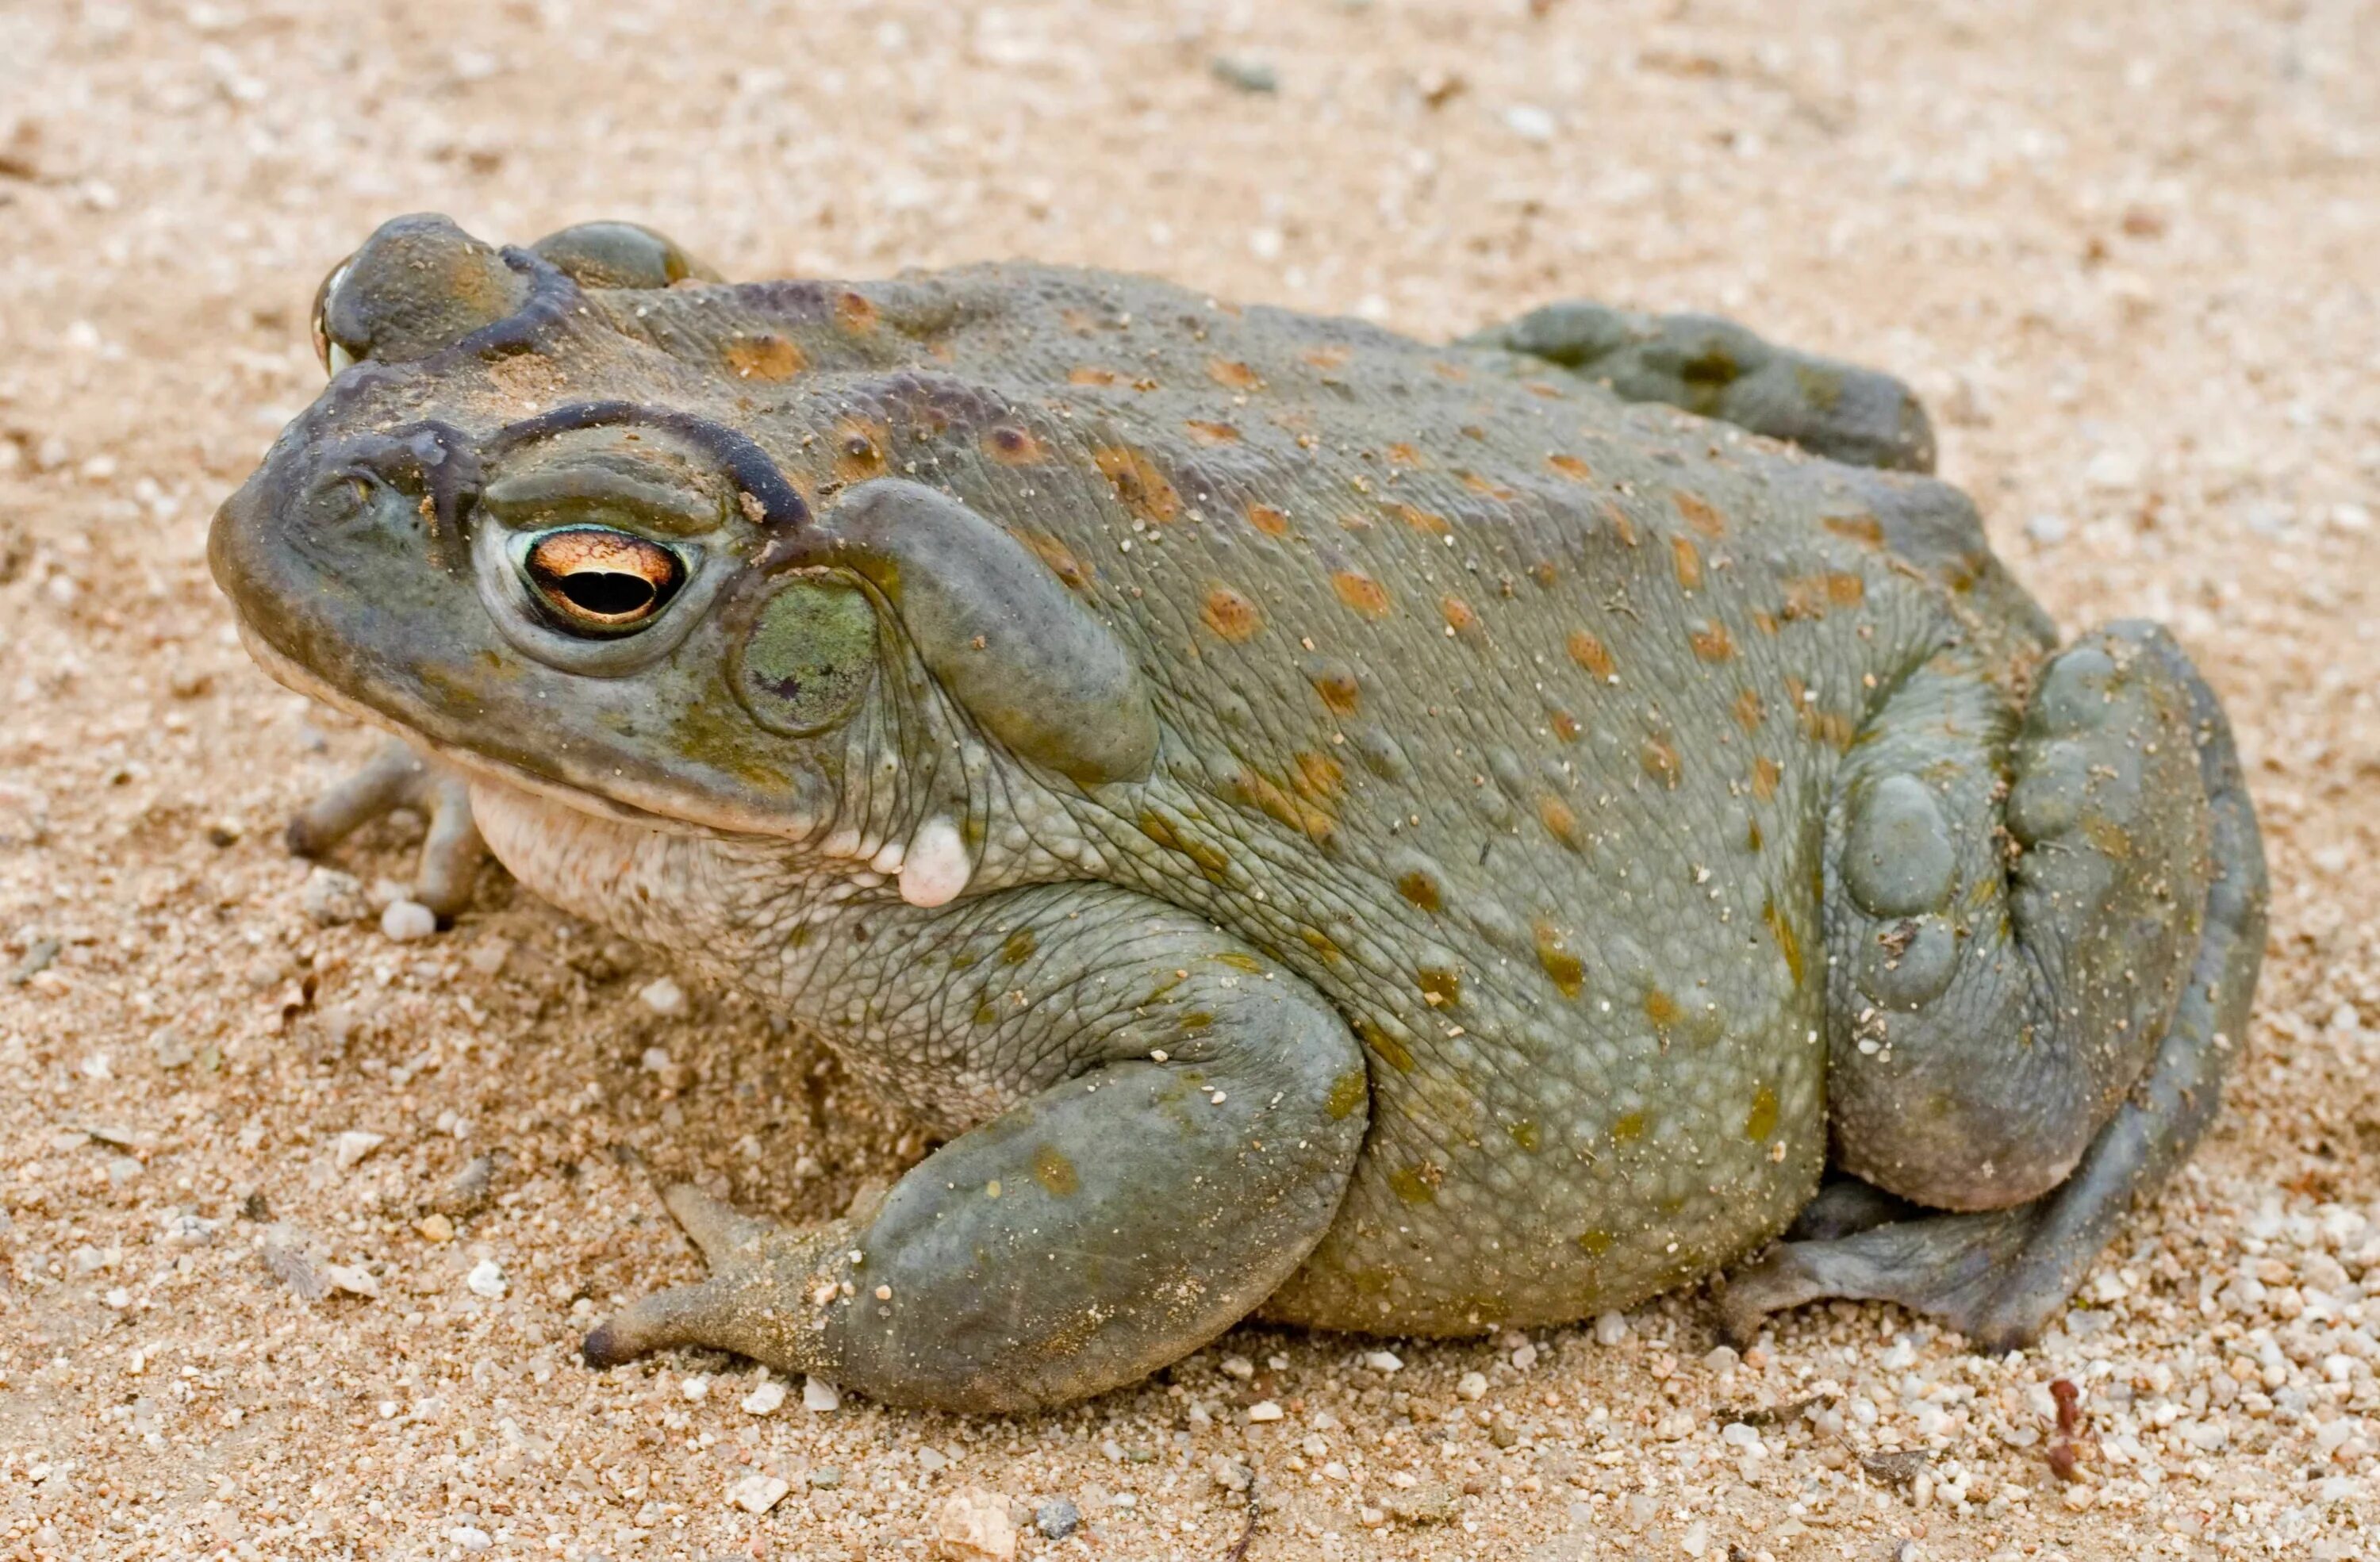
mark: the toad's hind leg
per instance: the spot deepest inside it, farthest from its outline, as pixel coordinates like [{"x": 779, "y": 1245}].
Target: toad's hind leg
[
  {"x": 1717, "y": 368},
  {"x": 1969, "y": 1094}
]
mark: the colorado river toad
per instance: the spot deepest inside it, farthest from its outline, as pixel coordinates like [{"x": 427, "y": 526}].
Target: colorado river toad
[{"x": 1393, "y": 837}]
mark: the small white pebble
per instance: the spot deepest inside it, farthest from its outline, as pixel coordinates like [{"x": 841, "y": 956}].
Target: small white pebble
[
  {"x": 819, "y": 1395},
  {"x": 1264, "y": 1409},
  {"x": 1530, "y": 123},
  {"x": 1472, "y": 1385},
  {"x": 1239, "y": 1367},
  {"x": 758, "y": 1493},
  {"x": 663, "y": 996},
  {"x": 695, "y": 1387},
  {"x": 766, "y": 1395},
  {"x": 486, "y": 1279},
  {"x": 469, "y": 1538},
  {"x": 354, "y": 1146},
  {"x": 1611, "y": 1328},
  {"x": 1524, "y": 1357},
  {"x": 1383, "y": 1362},
  {"x": 407, "y": 921}
]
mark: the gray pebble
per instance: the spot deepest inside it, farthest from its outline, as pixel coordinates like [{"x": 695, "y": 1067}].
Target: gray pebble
[{"x": 1057, "y": 1518}]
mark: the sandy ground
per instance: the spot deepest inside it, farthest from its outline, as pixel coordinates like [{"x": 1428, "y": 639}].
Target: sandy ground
[{"x": 2127, "y": 250}]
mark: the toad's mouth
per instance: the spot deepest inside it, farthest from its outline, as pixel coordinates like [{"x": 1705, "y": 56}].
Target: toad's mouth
[{"x": 727, "y": 822}]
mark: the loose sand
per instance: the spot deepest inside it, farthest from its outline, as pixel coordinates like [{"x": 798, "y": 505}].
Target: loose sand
[{"x": 2126, "y": 249}]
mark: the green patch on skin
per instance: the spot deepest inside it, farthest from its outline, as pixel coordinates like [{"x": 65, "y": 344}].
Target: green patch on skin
[
  {"x": 1347, "y": 1093},
  {"x": 1595, "y": 1244},
  {"x": 1392, "y": 1051},
  {"x": 987, "y": 1013},
  {"x": 1823, "y": 388},
  {"x": 1525, "y": 1134},
  {"x": 1629, "y": 1129},
  {"x": 1421, "y": 890},
  {"x": 1195, "y": 1021},
  {"x": 1054, "y": 1171},
  {"x": 1417, "y": 1184},
  {"x": 1019, "y": 947},
  {"x": 714, "y": 731},
  {"x": 1239, "y": 962},
  {"x": 1442, "y": 987},
  {"x": 1789, "y": 942},
  {"x": 1762, "y": 1121},
  {"x": 809, "y": 657}
]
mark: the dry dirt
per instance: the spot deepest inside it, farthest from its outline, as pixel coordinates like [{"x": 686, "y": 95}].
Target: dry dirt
[{"x": 2127, "y": 250}]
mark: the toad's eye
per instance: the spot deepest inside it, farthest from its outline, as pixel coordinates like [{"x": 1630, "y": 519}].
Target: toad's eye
[{"x": 599, "y": 581}]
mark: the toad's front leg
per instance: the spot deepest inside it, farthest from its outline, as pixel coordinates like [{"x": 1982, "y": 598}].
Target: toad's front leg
[{"x": 1187, "y": 1117}]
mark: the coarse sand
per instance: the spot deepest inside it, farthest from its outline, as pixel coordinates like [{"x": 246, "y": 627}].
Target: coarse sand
[{"x": 303, "y": 1223}]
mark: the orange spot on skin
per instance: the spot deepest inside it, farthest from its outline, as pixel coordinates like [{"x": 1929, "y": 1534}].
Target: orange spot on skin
[
  {"x": 1865, "y": 531},
  {"x": 1362, "y": 593},
  {"x": 1450, "y": 372},
  {"x": 1062, "y": 564},
  {"x": 1210, "y": 434},
  {"x": 1749, "y": 713},
  {"x": 1559, "y": 820},
  {"x": 1565, "y": 725},
  {"x": 1570, "y": 466},
  {"x": 765, "y": 356},
  {"x": 1268, "y": 520},
  {"x": 1478, "y": 484},
  {"x": 1764, "y": 621},
  {"x": 1090, "y": 374},
  {"x": 1231, "y": 615},
  {"x": 1139, "y": 486},
  {"x": 861, "y": 447},
  {"x": 1845, "y": 590},
  {"x": 1687, "y": 561},
  {"x": 1761, "y": 1121},
  {"x": 1458, "y": 615},
  {"x": 1284, "y": 805},
  {"x": 1054, "y": 1171},
  {"x": 1662, "y": 1010},
  {"x": 1406, "y": 456},
  {"x": 1319, "y": 778},
  {"x": 1012, "y": 446},
  {"x": 1569, "y": 974},
  {"x": 1542, "y": 389},
  {"x": 1622, "y": 527},
  {"x": 855, "y": 312},
  {"x": 1428, "y": 522},
  {"x": 1591, "y": 653},
  {"x": 1339, "y": 690},
  {"x": 1766, "y": 776},
  {"x": 1421, "y": 890},
  {"x": 1661, "y": 763},
  {"x": 1439, "y": 988},
  {"x": 1789, "y": 943},
  {"x": 1210, "y": 863},
  {"x": 1544, "y": 574},
  {"x": 1712, "y": 642},
  {"x": 1327, "y": 358},
  {"x": 1233, "y": 375},
  {"x": 1699, "y": 513}
]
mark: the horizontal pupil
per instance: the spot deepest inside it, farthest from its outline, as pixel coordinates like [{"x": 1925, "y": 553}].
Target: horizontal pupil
[{"x": 606, "y": 593}]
